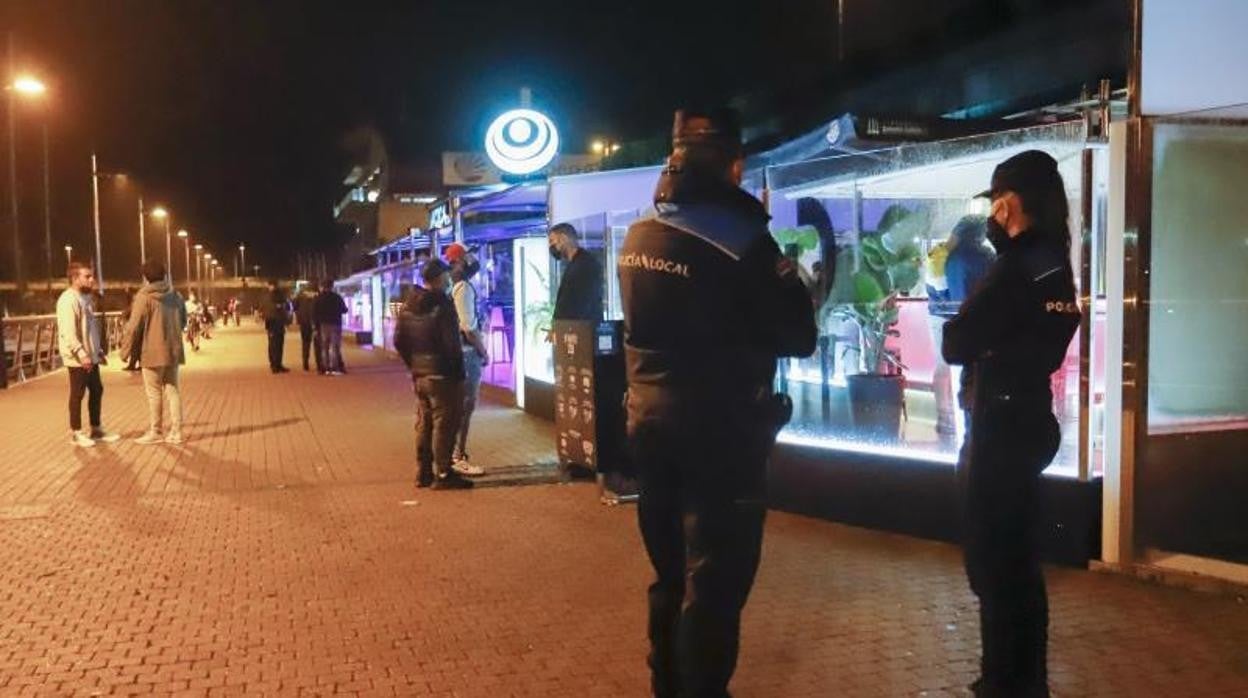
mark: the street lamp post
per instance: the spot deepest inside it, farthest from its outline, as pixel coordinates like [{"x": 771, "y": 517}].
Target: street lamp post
[
  {"x": 47, "y": 206},
  {"x": 27, "y": 86},
  {"x": 142, "y": 234},
  {"x": 186, "y": 245},
  {"x": 95, "y": 208},
  {"x": 207, "y": 290},
  {"x": 163, "y": 214},
  {"x": 69, "y": 251},
  {"x": 242, "y": 262},
  {"x": 199, "y": 256}
]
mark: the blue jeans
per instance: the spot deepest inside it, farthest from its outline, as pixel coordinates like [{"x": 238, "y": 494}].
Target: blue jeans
[
  {"x": 331, "y": 347},
  {"x": 472, "y": 386}
]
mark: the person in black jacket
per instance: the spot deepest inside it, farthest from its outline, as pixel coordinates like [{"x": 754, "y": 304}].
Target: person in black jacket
[
  {"x": 580, "y": 290},
  {"x": 1011, "y": 334},
  {"x": 427, "y": 339},
  {"x": 309, "y": 338},
  {"x": 328, "y": 312},
  {"x": 276, "y": 318},
  {"x": 709, "y": 306}
]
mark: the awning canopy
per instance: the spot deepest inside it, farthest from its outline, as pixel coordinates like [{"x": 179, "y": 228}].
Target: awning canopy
[
  {"x": 577, "y": 196},
  {"x": 950, "y": 169},
  {"x": 519, "y": 198}
]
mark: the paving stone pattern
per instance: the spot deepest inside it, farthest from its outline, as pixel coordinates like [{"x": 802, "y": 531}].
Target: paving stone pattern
[{"x": 283, "y": 551}]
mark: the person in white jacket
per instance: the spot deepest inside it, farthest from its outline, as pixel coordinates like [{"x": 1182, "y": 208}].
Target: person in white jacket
[{"x": 82, "y": 350}]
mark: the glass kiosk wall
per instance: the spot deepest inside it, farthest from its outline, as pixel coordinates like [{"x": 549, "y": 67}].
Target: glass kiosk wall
[{"x": 884, "y": 220}]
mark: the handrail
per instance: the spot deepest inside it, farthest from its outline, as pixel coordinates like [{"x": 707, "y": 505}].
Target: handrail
[{"x": 30, "y": 344}]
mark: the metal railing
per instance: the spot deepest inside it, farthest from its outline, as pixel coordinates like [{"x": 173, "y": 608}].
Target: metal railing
[{"x": 30, "y": 345}]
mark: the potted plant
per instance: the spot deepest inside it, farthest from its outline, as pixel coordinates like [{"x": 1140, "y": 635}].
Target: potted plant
[{"x": 889, "y": 268}]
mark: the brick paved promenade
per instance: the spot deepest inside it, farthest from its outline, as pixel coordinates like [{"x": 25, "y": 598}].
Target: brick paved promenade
[{"x": 282, "y": 551}]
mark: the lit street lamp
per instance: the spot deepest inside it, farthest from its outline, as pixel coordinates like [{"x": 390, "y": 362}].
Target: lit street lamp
[
  {"x": 163, "y": 214},
  {"x": 242, "y": 262},
  {"x": 186, "y": 245},
  {"x": 28, "y": 87},
  {"x": 69, "y": 251},
  {"x": 199, "y": 260}
]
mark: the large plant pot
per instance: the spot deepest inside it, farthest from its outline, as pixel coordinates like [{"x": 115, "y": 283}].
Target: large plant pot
[{"x": 875, "y": 405}]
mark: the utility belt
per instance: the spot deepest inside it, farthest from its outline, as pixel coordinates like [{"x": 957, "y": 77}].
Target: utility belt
[{"x": 432, "y": 365}]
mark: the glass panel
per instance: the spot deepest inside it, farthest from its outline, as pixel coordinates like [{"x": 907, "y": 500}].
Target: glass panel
[
  {"x": 1198, "y": 315},
  {"x": 536, "y": 303},
  {"x": 901, "y": 220},
  {"x": 497, "y": 296}
]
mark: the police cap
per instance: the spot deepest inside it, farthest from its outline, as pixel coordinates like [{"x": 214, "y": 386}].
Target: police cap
[
  {"x": 1031, "y": 171},
  {"x": 719, "y": 127}
]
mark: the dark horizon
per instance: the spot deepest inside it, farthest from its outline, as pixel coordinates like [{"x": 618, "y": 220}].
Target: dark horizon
[{"x": 231, "y": 114}]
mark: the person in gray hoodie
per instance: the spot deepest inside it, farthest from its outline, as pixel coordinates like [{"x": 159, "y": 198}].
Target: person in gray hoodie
[{"x": 154, "y": 335}]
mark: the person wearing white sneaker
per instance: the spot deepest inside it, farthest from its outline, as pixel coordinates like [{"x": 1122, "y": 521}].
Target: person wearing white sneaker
[
  {"x": 464, "y": 266},
  {"x": 79, "y": 342},
  {"x": 154, "y": 334}
]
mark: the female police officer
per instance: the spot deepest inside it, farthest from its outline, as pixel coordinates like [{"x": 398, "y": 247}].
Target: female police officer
[{"x": 1011, "y": 335}]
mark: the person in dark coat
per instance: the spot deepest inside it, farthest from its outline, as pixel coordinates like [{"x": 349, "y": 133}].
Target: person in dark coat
[
  {"x": 276, "y": 318},
  {"x": 1011, "y": 334},
  {"x": 309, "y": 339},
  {"x": 580, "y": 291},
  {"x": 710, "y": 304},
  {"x": 427, "y": 339},
  {"x": 328, "y": 310}
]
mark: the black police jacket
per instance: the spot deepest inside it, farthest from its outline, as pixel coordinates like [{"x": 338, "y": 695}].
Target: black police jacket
[
  {"x": 706, "y": 309},
  {"x": 427, "y": 336},
  {"x": 1014, "y": 329}
]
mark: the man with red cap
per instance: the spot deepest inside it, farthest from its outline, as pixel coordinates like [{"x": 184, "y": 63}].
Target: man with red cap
[{"x": 464, "y": 266}]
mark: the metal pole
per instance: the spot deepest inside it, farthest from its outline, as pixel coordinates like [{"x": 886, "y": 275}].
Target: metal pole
[
  {"x": 95, "y": 207},
  {"x": 142, "y": 234},
  {"x": 168, "y": 251},
  {"x": 242, "y": 251},
  {"x": 47, "y": 205},
  {"x": 186, "y": 243},
  {"x": 13, "y": 209}
]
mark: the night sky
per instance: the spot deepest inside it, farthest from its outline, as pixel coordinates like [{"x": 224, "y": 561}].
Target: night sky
[{"x": 230, "y": 112}]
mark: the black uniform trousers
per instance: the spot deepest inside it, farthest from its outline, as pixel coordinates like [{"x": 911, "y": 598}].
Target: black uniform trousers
[
  {"x": 1011, "y": 445},
  {"x": 701, "y": 511},
  {"x": 83, "y": 382},
  {"x": 277, "y": 342},
  {"x": 310, "y": 341}
]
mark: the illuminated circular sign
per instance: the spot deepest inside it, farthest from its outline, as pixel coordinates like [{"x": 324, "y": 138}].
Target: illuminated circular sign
[{"x": 521, "y": 142}]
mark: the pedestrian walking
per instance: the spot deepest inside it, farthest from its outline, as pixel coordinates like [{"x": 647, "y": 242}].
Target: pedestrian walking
[
  {"x": 81, "y": 346},
  {"x": 464, "y": 267},
  {"x": 1011, "y": 334},
  {"x": 154, "y": 333},
  {"x": 709, "y": 306},
  {"x": 194, "y": 320},
  {"x": 329, "y": 310},
  {"x": 309, "y": 338},
  {"x": 276, "y": 318},
  {"x": 427, "y": 339}
]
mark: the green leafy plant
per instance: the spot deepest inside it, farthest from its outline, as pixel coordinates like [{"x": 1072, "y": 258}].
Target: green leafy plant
[
  {"x": 539, "y": 316},
  {"x": 805, "y": 237},
  {"x": 889, "y": 268}
]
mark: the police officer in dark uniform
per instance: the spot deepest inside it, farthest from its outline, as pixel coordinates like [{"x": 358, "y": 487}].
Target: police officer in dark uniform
[
  {"x": 709, "y": 305},
  {"x": 1011, "y": 334}
]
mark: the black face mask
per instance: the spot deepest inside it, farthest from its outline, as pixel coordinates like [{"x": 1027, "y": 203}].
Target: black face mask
[
  {"x": 997, "y": 234},
  {"x": 471, "y": 269},
  {"x": 554, "y": 252}
]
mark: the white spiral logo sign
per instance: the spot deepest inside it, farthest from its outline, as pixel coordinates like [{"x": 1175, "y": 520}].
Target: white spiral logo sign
[{"x": 521, "y": 141}]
